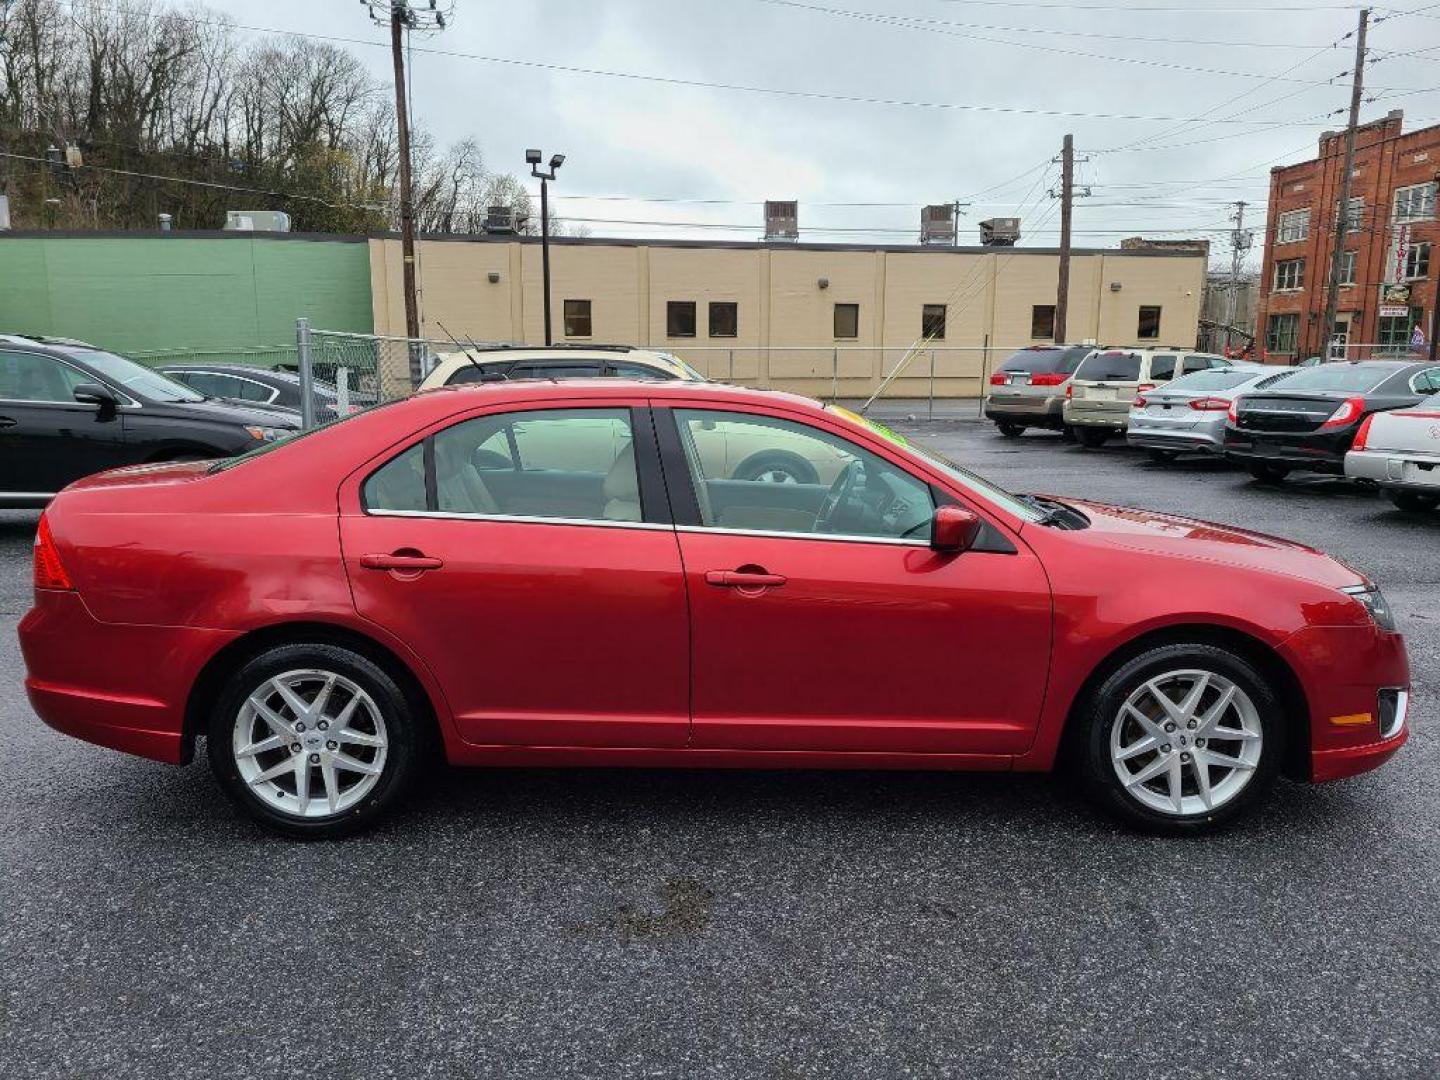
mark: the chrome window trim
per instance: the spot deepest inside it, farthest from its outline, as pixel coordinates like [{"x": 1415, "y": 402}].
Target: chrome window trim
[
  {"x": 28, "y": 494},
  {"x": 523, "y": 519},
  {"x": 843, "y": 538}
]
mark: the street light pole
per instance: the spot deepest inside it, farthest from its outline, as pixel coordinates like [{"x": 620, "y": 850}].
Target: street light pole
[{"x": 532, "y": 157}]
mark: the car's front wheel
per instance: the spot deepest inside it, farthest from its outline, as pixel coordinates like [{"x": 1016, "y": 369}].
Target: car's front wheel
[
  {"x": 1181, "y": 738},
  {"x": 313, "y": 740}
]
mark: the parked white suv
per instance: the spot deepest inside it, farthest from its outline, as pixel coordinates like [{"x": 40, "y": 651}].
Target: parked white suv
[{"x": 492, "y": 363}]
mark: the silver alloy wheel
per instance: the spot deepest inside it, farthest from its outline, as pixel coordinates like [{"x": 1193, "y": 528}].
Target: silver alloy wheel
[
  {"x": 1186, "y": 742},
  {"x": 777, "y": 474},
  {"x": 310, "y": 743}
]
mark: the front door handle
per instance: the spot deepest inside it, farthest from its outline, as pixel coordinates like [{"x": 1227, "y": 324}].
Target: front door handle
[
  {"x": 400, "y": 561},
  {"x": 743, "y": 579}
]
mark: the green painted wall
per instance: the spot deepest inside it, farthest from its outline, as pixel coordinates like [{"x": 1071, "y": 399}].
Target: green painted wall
[{"x": 135, "y": 294}]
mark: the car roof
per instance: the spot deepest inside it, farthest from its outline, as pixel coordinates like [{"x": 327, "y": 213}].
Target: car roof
[{"x": 233, "y": 369}]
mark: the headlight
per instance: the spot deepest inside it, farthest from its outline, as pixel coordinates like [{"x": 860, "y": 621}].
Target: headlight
[
  {"x": 268, "y": 434},
  {"x": 1375, "y": 603}
]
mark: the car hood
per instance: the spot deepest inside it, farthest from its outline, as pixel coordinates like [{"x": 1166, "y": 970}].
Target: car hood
[
  {"x": 225, "y": 411},
  {"x": 1169, "y": 534}
]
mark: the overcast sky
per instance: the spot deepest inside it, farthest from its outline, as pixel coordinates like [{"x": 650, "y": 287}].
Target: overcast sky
[{"x": 654, "y": 140}]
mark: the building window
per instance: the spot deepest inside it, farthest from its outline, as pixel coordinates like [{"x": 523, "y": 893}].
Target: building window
[
  {"x": 932, "y": 322},
  {"x": 1042, "y": 321},
  {"x": 847, "y": 321},
  {"x": 724, "y": 318},
  {"x": 1355, "y": 218},
  {"x": 577, "y": 318},
  {"x": 1289, "y": 275},
  {"x": 1281, "y": 333},
  {"x": 1415, "y": 203},
  {"x": 1395, "y": 330},
  {"x": 1417, "y": 261},
  {"x": 1347, "y": 268},
  {"x": 1292, "y": 225},
  {"x": 1149, "y": 327},
  {"x": 680, "y": 318}
]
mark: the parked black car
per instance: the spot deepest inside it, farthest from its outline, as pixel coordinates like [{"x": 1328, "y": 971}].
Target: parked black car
[
  {"x": 1309, "y": 420},
  {"x": 68, "y": 409},
  {"x": 263, "y": 386}
]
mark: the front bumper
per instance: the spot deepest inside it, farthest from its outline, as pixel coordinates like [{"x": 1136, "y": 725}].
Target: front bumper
[
  {"x": 117, "y": 685},
  {"x": 1344, "y": 670},
  {"x": 1395, "y": 469},
  {"x": 1315, "y": 451}
]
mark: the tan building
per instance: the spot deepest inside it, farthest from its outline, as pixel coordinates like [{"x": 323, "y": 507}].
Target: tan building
[{"x": 814, "y": 318}]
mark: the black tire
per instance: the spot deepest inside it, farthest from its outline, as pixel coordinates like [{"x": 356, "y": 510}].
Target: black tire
[
  {"x": 1163, "y": 457},
  {"x": 1267, "y": 473},
  {"x": 1101, "y": 711},
  {"x": 1092, "y": 438},
  {"x": 777, "y": 466},
  {"x": 1412, "y": 502},
  {"x": 1010, "y": 429},
  {"x": 1067, "y": 433},
  {"x": 403, "y": 756}
]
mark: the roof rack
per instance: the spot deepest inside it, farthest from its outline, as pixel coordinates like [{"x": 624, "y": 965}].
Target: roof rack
[{"x": 563, "y": 346}]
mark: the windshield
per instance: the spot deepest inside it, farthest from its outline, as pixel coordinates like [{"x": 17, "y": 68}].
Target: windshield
[
  {"x": 1224, "y": 379},
  {"x": 690, "y": 372},
  {"x": 1351, "y": 378},
  {"x": 1046, "y": 360},
  {"x": 963, "y": 476},
  {"x": 1116, "y": 366},
  {"x": 136, "y": 378}
]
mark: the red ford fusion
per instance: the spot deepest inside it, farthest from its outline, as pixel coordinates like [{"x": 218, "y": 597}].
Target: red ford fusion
[{"x": 612, "y": 573}]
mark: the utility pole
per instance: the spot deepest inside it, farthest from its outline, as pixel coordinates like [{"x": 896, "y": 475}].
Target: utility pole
[
  {"x": 1067, "y": 197},
  {"x": 1239, "y": 246},
  {"x": 532, "y": 158},
  {"x": 1342, "y": 216},
  {"x": 403, "y": 18},
  {"x": 1435, "y": 294}
]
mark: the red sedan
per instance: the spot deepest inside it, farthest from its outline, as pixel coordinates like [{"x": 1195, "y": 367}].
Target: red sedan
[{"x": 541, "y": 573}]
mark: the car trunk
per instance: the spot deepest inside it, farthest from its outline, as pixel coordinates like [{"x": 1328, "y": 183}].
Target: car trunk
[{"x": 1286, "y": 413}]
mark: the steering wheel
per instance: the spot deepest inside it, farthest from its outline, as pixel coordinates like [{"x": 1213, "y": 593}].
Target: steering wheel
[{"x": 839, "y": 492}]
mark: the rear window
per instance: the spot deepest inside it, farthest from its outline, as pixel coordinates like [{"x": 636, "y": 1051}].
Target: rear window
[
  {"x": 1212, "y": 380},
  {"x": 1045, "y": 360},
  {"x": 1352, "y": 378},
  {"x": 1111, "y": 366}
]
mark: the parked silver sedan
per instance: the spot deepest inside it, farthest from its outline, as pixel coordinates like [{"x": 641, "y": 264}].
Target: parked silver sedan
[
  {"x": 1400, "y": 451},
  {"x": 1187, "y": 415}
]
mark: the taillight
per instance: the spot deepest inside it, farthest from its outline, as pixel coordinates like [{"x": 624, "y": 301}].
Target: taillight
[
  {"x": 1070, "y": 390},
  {"x": 1210, "y": 404},
  {"x": 1349, "y": 411},
  {"x": 1048, "y": 378},
  {"x": 998, "y": 379},
  {"x": 49, "y": 573},
  {"x": 1233, "y": 412},
  {"x": 1140, "y": 401},
  {"x": 1362, "y": 437},
  {"x": 1144, "y": 386}
]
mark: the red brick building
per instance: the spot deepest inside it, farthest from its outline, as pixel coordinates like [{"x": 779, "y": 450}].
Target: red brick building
[{"x": 1389, "y": 274}]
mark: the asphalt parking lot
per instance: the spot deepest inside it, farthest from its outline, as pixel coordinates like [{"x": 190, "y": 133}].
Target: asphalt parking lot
[{"x": 712, "y": 924}]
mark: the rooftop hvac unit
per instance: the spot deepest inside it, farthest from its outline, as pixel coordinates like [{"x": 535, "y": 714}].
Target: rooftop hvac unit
[
  {"x": 1000, "y": 232},
  {"x": 257, "y": 221},
  {"x": 937, "y": 224},
  {"x": 782, "y": 220},
  {"x": 500, "y": 220}
]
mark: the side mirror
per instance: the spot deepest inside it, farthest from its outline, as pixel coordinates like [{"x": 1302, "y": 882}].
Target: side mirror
[
  {"x": 954, "y": 529},
  {"x": 89, "y": 393}
]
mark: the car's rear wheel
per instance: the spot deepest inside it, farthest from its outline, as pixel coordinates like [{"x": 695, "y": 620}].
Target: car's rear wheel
[
  {"x": 313, "y": 741},
  {"x": 1009, "y": 429},
  {"x": 1181, "y": 738},
  {"x": 1413, "y": 502},
  {"x": 1163, "y": 457},
  {"x": 1067, "y": 432},
  {"x": 777, "y": 467},
  {"x": 1091, "y": 437},
  {"x": 1267, "y": 473}
]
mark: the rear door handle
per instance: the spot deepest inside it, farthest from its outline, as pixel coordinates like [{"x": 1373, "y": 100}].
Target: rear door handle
[
  {"x": 400, "y": 562},
  {"x": 743, "y": 579}
]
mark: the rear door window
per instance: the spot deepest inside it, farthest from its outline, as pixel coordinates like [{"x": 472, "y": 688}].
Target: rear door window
[
  {"x": 1110, "y": 366},
  {"x": 1162, "y": 368},
  {"x": 1201, "y": 363}
]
